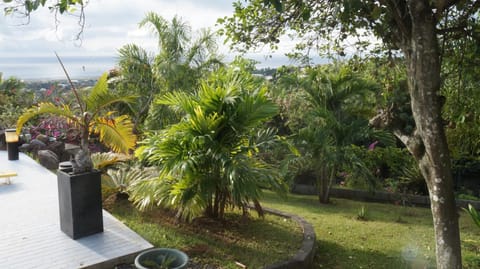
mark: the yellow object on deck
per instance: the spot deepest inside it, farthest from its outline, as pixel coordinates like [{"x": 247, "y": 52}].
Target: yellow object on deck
[{"x": 8, "y": 175}]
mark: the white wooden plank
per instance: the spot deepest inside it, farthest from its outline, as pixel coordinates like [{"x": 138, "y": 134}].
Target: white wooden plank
[{"x": 30, "y": 235}]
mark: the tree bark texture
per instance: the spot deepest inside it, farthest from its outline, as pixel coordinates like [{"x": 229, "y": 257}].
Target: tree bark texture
[
  {"x": 428, "y": 143},
  {"x": 323, "y": 184}
]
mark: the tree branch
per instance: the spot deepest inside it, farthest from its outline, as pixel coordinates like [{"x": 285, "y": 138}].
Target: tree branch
[
  {"x": 400, "y": 19},
  {"x": 462, "y": 21},
  {"x": 443, "y": 5},
  {"x": 385, "y": 119}
]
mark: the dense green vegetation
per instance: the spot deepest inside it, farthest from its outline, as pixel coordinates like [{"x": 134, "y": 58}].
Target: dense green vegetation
[
  {"x": 423, "y": 34},
  {"x": 301, "y": 108},
  {"x": 182, "y": 59},
  {"x": 212, "y": 136},
  {"x": 210, "y": 159},
  {"x": 297, "y": 112}
]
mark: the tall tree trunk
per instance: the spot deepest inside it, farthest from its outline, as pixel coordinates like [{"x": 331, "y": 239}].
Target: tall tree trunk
[
  {"x": 325, "y": 181},
  {"x": 322, "y": 185},
  {"x": 216, "y": 204},
  {"x": 223, "y": 202},
  {"x": 428, "y": 144},
  {"x": 209, "y": 207}
]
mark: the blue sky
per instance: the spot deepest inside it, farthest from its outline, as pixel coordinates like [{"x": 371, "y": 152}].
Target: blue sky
[{"x": 110, "y": 24}]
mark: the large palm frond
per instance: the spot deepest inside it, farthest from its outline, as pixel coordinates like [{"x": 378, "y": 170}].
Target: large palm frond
[
  {"x": 255, "y": 108},
  {"x": 137, "y": 77},
  {"x": 339, "y": 91},
  {"x": 215, "y": 97},
  {"x": 135, "y": 60},
  {"x": 47, "y": 108},
  {"x": 156, "y": 24},
  {"x": 172, "y": 37},
  {"x": 101, "y": 98},
  {"x": 116, "y": 133},
  {"x": 179, "y": 33},
  {"x": 202, "y": 49},
  {"x": 178, "y": 101},
  {"x": 103, "y": 160}
]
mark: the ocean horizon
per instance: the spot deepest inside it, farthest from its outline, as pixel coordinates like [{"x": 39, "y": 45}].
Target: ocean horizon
[
  {"x": 48, "y": 68},
  {"x": 89, "y": 67}
]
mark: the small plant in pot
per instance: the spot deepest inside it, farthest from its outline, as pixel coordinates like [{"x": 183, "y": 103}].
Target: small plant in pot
[
  {"x": 80, "y": 189},
  {"x": 161, "y": 258}
]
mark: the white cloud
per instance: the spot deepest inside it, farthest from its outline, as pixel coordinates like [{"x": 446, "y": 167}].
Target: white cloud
[{"x": 110, "y": 24}]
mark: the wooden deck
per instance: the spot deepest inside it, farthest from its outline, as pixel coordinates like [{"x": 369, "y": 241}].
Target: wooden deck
[{"x": 30, "y": 235}]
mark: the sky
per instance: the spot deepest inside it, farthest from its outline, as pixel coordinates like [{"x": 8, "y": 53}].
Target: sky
[{"x": 110, "y": 24}]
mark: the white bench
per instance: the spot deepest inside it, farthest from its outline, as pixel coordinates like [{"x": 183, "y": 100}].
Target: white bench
[{"x": 7, "y": 175}]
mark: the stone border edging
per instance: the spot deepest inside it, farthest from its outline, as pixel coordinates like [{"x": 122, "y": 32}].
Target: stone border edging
[{"x": 304, "y": 256}]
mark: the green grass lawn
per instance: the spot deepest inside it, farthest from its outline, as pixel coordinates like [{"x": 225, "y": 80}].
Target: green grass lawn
[
  {"x": 390, "y": 236},
  {"x": 254, "y": 242}
]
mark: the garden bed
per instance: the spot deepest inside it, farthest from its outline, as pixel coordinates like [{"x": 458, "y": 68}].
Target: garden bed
[{"x": 235, "y": 241}]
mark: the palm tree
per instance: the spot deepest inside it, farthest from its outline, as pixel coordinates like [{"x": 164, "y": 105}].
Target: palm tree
[
  {"x": 136, "y": 77},
  {"x": 92, "y": 117},
  {"x": 210, "y": 159},
  {"x": 180, "y": 59},
  {"x": 180, "y": 62},
  {"x": 340, "y": 102}
]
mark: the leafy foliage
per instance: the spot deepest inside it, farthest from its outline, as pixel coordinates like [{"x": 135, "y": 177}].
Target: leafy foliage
[
  {"x": 390, "y": 74},
  {"x": 210, "y": 159},
  {"x": 391, "y": 169},
  {"x": 54, "y": 126},
  {"x": 10, "y": 86},
  {"x": 417, "y": 29},
  {"x": 182, "y": 59},
  {"x": 122, "y": 177},
  {"x": 473, "y": 214},
  {"x": 362, "y": 213},
  {"x": 460, "y": 90},
  {"x": 13, "y": 99},
  {"x": 25, "y": 8},
  {"x": 91, "y": 117},
  {"x": 9, "y": 115},
  {"x": 339, "y": 101},
  {"x": 104, "y": 160}
]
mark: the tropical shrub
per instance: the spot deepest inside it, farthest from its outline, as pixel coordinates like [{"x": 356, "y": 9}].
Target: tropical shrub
[
  {"x": 91, "y": 117},
  {"x": 12, "y": 91},
  {"x": 9, "y": 115},
  {"x": 210, "y": 159},
  {"x": 339, "y": 101},
  {"x": 393, "y": 170},
  {"x": 122, "y": 177},
  {"x": 13, "y": 99}
]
